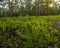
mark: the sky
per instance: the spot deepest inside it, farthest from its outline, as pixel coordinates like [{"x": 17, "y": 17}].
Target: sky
[{"x": 57, "y": 0}]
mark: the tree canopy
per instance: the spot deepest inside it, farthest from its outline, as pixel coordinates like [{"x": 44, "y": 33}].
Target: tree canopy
[{"x": 29, "y": 7}]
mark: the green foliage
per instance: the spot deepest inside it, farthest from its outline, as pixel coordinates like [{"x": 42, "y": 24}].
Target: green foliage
[
  {"x": 29, "y": 8},
  {"x": 28, "y": 32}
]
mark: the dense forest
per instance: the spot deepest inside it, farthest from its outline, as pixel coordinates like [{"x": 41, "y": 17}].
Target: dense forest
[{"x": 29, "y": 7}]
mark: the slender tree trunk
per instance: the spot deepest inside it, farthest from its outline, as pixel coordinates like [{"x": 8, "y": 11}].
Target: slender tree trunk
[{"x": 38, "y": 8}]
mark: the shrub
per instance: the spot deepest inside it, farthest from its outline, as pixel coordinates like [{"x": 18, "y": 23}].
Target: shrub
[{"x": 29, "y": 32}]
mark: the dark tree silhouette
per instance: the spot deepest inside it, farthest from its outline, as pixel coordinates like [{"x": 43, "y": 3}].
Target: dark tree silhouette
[{"x": 1, "y": 0}]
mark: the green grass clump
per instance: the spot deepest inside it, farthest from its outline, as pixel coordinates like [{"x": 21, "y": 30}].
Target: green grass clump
[{"x": 30, "y": 32}]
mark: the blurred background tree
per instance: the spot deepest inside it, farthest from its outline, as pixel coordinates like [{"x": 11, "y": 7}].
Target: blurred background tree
[{"x": 29, "y": 7}]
